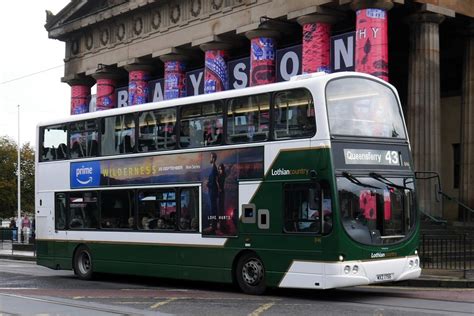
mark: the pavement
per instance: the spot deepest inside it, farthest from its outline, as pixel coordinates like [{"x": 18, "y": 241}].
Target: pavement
[{"x": 429, "y": 277}]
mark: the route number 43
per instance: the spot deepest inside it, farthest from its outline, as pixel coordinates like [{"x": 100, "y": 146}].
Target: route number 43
[{"x": 392, "y": 158}]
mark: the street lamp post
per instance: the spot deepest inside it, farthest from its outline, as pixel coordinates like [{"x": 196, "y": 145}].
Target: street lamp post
[{"x": 19, "y": 179}]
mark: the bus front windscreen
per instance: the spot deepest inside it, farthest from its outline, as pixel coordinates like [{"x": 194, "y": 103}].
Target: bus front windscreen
[
  {"x": 363, "y": 107},
  {"x": 376, "y": 210}
]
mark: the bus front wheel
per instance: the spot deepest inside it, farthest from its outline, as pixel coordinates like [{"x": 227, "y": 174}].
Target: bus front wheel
[
  {"x": 83, "y": 263},
  {"x": 250, "y": 274}
]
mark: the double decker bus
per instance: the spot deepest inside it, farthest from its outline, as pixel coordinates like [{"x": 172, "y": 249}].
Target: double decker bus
[{"x": 302, "y": 184}]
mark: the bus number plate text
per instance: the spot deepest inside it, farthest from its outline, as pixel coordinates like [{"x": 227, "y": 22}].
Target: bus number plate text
[{"x": 384, "y": 277}]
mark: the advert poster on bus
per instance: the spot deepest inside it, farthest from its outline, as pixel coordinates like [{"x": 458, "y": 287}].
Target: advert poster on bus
[{"x": 217, "y": 171}]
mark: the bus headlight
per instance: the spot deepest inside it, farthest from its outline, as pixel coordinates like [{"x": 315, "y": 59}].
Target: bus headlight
[
  {"x": 347, "y": 269},
  {"x": 416, "y": 262},
  {"x": 410, "y": 264}
]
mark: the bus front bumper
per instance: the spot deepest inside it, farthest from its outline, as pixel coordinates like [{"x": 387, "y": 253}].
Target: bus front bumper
[{"x": 327, "y": 275}]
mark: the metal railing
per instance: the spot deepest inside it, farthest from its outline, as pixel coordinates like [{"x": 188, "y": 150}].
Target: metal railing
[{"x": 449, "y": 252}]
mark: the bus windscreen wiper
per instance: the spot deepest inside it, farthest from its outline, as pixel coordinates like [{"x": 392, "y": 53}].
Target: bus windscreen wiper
[
  {"x": 356, "y": 181},
  {"x": 386, "y": 181}
]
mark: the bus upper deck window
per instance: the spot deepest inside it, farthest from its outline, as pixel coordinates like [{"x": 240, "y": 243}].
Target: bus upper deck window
[
  {"x": 293, "y": 114},
  {"x": 54, "y": 143}
]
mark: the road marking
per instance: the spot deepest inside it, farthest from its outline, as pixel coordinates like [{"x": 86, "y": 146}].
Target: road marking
[
  {"x": 159, "y": 304},
  {"x": 261, "y": 309},
  {"x": 78, "y": 297}
]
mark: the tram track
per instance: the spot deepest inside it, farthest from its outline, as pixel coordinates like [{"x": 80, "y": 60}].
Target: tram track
[{"x": 87, "y": 308}]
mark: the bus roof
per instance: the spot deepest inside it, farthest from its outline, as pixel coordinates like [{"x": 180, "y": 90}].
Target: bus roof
[{"x": 304, "y": 80}]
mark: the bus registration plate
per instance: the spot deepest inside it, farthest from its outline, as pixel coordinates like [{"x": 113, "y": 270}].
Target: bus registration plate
[{"x": 384, "y": 277}]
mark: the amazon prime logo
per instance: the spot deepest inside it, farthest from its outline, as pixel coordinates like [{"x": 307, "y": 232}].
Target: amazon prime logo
[{"x": 85, "y": 174}]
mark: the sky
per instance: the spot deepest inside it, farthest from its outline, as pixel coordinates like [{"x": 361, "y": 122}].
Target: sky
[{"x": 31, "y": 69}]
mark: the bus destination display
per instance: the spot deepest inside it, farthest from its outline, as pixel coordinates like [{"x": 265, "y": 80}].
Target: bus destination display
[{"x": 372, "y": 157}]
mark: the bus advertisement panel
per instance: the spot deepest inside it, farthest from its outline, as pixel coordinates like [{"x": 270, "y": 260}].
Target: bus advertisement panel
[{"x": 218, "y": 171}]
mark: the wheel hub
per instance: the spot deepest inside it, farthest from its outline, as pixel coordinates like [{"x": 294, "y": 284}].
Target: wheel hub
[{"x": 252, "y": 271}]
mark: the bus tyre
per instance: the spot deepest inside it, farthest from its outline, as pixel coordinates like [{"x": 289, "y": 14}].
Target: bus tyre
[
  {"x": 83, "y": 263},
  {"x": 250, "y": 274}
]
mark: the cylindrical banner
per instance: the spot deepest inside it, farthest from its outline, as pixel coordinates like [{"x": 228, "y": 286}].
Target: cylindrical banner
[
  {"x": 262, "y": 60},
  {"x": 175, "y": 76},
  {"x": 105, "y": 94},
  {"x": 138, "y": 87},
  {"x": 372, "y": 42},
  {"x": 80, "y": 96},
  {"x": 215, "y": 72},
  {"x": 316, "y": 46}
]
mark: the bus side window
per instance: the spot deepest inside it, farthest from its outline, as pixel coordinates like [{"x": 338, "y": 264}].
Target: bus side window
[
  {"x": 307, "y": 208},
  {"x": 293, "y": 114},
  {"x": 60, "y": 211},
  {"x": 54, "y": 143}
]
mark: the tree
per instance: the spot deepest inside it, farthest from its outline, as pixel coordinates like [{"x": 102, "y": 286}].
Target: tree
[{"x": 8, "y": 178}]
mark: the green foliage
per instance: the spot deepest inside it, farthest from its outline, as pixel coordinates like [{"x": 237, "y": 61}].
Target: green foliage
[{"x": 8, "y": 178}]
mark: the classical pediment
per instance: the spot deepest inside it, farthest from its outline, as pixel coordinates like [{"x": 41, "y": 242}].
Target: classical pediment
[{"x": 79, "y": 13}]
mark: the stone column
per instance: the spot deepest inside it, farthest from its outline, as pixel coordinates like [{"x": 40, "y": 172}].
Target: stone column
[
  {"x": 106, "y": 79},
  {"x": 138, "y": 76},
  {"x": 371, "y": 48},
  {"x": 467, "y": 128},
  {"x": 216, "y": 77},
  {"x": 80, "y": 94},
  {"x": 316, "y": 42},
  {"x": 175, "y": 75},
  {"x": 262, "y": 56},
  {"x": 424, "y": 107}
]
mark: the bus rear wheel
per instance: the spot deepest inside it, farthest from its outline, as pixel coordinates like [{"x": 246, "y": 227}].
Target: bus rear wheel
[
  {"x": 83, "y": 263},
  {"x": 250, "y": 274}
]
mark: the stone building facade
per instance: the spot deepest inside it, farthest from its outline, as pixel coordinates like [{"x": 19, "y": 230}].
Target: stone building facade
[{"x": 423, "y": 47}]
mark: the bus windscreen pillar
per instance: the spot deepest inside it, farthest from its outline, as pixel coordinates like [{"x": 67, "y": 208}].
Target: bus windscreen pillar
[
  {"x": 316, "y": 42},
  {"x": 175, "y": 76},
  {"x": 138, "y": 77},
  {"x": 106, "y": 83},
  {"x": 80, "y": 94},
  {"x": 216, "y": 76},
  {"x": 262, "y": 56},
  {"x": 371, "y": 48}
]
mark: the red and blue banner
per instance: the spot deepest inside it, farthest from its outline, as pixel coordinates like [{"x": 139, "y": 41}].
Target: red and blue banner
[
  {"x": 372, "y": 42},
  {"x": 80, "y": 96},
  {"x": 106, "y": 98},
  {"x": 138, "y": 87},
  {"x": 316, "y": 43},
  {"x": 215, "y": 72},
  {"x": 175, "y": 79},
  {"x": 262, "y": 60}
]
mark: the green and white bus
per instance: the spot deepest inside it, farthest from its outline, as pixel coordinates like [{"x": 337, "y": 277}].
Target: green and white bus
[{"x": 301, "y": 184}]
